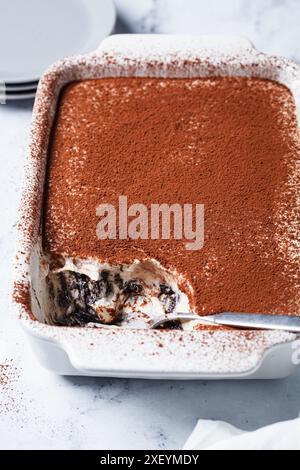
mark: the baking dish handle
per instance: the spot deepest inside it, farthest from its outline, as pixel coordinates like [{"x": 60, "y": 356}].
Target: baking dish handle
[
  {"x": 160, "y": 45},
  {"x": 94, "y": 355}
]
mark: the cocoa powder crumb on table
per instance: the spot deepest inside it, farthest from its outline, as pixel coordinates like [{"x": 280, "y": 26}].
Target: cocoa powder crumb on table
[{"x": 10, "y": 397}]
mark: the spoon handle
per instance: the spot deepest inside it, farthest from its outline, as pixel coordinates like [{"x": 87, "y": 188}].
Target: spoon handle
[{"x": 258, "y": 321}]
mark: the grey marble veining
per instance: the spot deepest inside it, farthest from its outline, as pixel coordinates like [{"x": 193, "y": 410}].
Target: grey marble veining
[
  {"x": 272, "y": 25},
  {"x": 41, "y": 410}
]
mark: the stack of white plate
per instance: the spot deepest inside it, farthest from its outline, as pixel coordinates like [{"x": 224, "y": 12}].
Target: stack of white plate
[
  {"x": 20, "y": 91},
  {"x": 36, "y": 33}
]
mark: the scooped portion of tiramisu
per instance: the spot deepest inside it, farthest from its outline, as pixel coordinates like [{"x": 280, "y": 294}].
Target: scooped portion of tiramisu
[
  {"x": 229, "y": 144},
  {"x": 133, "y": 295}
]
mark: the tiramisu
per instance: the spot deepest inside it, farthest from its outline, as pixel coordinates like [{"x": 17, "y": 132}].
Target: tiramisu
[{"x": 230, "y": 144}]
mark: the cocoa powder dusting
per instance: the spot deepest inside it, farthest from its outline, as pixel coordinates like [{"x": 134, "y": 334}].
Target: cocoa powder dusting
[
  {"x": 231, "y": 144},
  {"x": 21, "y": 295},
  {"x": 9, "y": 397}
]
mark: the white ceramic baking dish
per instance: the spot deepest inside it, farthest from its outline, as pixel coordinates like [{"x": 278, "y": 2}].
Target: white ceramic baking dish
[{"x": 144, "y": 354}]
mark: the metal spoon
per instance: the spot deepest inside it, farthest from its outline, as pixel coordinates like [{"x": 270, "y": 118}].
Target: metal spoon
[{"x": 239, "y": 320}]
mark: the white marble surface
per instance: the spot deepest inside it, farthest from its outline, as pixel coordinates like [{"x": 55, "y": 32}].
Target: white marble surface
[
  {"x": 40, "y": 410},
  {"x": 272, "y": 25}
]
